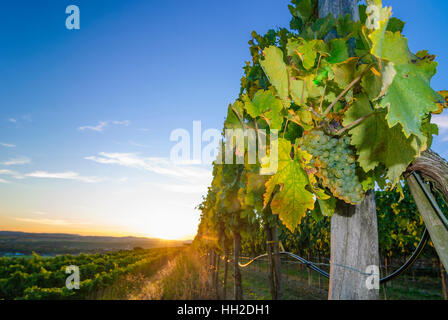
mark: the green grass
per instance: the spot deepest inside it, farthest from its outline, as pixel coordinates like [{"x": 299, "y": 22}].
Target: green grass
[
  {"x": 297, "y": 286},
  {"x": 187, "y": 278}
]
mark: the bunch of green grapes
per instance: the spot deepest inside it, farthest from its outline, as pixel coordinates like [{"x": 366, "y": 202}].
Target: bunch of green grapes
[{"x": 335, "y": 164}]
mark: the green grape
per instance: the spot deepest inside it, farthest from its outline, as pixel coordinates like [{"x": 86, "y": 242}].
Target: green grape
[{"x": 335, "y": 164}]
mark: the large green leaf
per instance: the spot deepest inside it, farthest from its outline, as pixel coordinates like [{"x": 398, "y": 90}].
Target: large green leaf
[
  {"x": 408, "y": 95},
  {"x": 409, "y": 99},
  {"x": 376, "y": 143},
  {"x": 293, "y": 200}
]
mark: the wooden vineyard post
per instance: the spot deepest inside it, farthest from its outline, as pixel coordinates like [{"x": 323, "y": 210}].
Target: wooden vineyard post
[
  {"x": 354, "y": 231},
  {"x": 237, "y": 286},
  {"x": 436, "y": 229},
  {"x": 226, "y": 268},
  {"x": 354, "y": 247}
]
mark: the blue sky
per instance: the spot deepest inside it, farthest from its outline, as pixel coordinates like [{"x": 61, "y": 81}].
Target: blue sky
[{"x": 86, "y": 115}]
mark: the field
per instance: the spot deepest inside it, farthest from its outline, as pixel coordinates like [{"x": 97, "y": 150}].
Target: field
[{"x": 101, "y": 276}]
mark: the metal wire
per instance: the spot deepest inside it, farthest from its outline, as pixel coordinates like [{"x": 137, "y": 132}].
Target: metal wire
[
  {"x": 396, "y": 273},
  {"x": 313, "y": 266}
]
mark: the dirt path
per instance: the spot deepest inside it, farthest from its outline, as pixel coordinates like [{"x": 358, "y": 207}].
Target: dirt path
[{"x": 151, "y": 289}]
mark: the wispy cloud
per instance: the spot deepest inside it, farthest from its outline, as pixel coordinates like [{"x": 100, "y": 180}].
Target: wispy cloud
[
  {"x": 160, "y": 166},
  {"x": 3, "y": 181},
  {"x": 441, "y": 121},
  {"x": 98, "y": 128},
  {"x": 69, "y": 175},
  {"x": 51, "y": 222},
  {"x": 125, "y": 123},
  {"x": 101, "y": 126},
  {"x": 7, "y": 145},
  {"x": 7, "y": 172},
  {"x": 16, "y": 161},
  {"x": 21, "y": 119}
]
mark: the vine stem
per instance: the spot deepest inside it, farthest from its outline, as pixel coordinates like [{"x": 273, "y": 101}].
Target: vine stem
[
  {"x": 343, "y": 93},
  {"x": 354, "y": 123}
]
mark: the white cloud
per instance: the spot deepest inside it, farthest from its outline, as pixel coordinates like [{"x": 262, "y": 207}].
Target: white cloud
[
  {"x": 125, "y": 123},
  {"x": 7, "y": 172},
  {"x": 160, "y": 166},
  {"x": 12, "y": 120},
  {"x": 69, "y": 175},
  {"x": 98, "y": 128},
  {"x": 441, "y": 121},
  {"x": 7, "y": 145},
  {"x": 51, "y": 222},
  {"x": 103, "y": 124},
  {"x": 16, "y": 161},
  {"x": 3, "y": 181}
]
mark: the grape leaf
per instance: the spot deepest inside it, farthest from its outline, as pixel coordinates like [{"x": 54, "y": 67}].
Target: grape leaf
[
  {"x": 293, "y": 200},
  {"x": 232, "y": 120},
  {"x": 395, "y": 25},
  {"x": 277, "y": 73},
  {"x": 307, "y": 53},
  {"x": 371, "y": 83},
  {"x": 254, "y": 190},
  {"x": 344, "y": 72},
  {"x": 377, "y": 20},
  {"x": 266, "y": 106},
  {"x": 327, "y": 207},
  {"x": 298, "y": 93},
  {"x": 338, "y": 51},
  {"x": 377, "y": 143},
  {"x": 409, "y": 97}
]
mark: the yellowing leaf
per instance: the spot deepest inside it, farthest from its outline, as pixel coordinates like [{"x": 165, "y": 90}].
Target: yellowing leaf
[
  {"x": 276, "y": 71},
  {"x": 293, "y": 200},
  {"x": 344, "y": 72},
  {"x": 441, "y": 105},
  {"x": 377, "y": 20}
]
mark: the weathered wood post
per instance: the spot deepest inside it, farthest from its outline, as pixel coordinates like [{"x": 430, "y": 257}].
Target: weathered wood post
[
  {"x": 237, "y": 284},
  {"x": 354, "y": 230},
  {"x": 433, "y": 168},
  {"x": 436, "y": 229}
]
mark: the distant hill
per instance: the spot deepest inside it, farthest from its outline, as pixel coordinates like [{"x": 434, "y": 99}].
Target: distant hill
[{"x": 12, "y": 242}]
